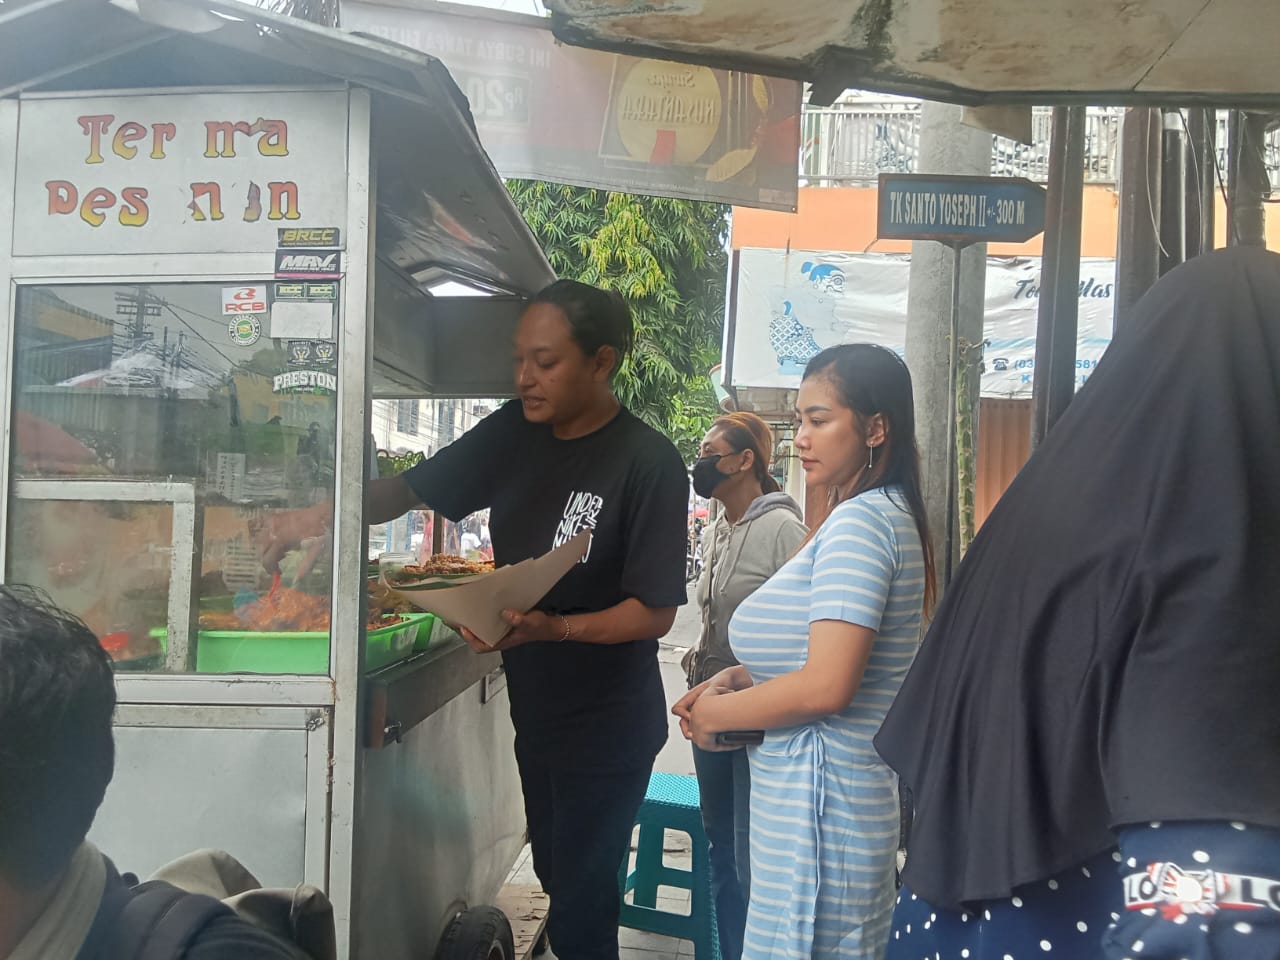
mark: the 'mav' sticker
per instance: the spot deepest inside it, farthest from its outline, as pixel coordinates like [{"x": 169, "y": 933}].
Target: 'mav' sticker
[{"x": 306, "y": 264}]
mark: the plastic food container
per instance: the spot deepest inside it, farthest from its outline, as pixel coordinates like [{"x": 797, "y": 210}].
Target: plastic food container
[
  {"x": 388, "y": 563},
  {"x": 243, "y": 651},
  {"x": 426, "y": 631}
]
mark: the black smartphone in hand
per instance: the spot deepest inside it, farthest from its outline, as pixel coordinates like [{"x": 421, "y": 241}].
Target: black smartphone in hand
[{"x": 739, "y": 738}]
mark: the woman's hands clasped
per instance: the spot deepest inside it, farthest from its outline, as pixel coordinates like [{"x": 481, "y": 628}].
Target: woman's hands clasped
[{"x": 696, "y": 708}]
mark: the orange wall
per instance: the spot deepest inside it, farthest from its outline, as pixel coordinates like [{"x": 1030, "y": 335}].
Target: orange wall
[
  {"x": 844, "y": 218},
  {"x": 1004, "y": 444}
]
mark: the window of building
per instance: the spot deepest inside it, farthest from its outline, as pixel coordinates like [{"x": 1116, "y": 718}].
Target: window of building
[{"x": 407, "y": 417}]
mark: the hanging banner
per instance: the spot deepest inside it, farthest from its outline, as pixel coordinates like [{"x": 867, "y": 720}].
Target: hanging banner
[
  {"x": 791, "y": 305},
  {"x": 546, "y": 111}
]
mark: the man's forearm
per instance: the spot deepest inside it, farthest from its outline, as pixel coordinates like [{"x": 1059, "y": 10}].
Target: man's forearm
[
  {"x": 627, "y": 621},
  {"x": 388, "y": 499}
]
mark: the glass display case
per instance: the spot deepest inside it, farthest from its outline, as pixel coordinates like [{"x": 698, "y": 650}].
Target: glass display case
[{"x": 162, "y": 438}]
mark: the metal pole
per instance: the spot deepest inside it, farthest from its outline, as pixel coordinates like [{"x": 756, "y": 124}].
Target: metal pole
[
  {"x": 1253, "y": 182},
  {"x": 1054, "y": 377},
  {"x": 731, "y": 323},
  {"x": 1209, "y": 179},
  {"x": 952, "y": 371},
  {"x": 1173, "y": 193},
  {"x": 1233, "y": 176},
  {"x": 1138, "y": 253},
  {"x": 1199, "y": 192}
]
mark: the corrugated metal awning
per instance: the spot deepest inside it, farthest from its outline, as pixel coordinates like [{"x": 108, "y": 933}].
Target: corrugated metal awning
[
  {"x": 1176, "y": 52},
  {"x": 443, "y": 210}
]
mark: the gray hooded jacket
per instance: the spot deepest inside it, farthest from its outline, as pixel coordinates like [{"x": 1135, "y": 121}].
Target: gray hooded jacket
[{"x": 739, "y": 558}]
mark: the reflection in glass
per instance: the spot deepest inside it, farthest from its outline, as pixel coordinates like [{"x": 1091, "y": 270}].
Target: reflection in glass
[
  {"x": 167, "y": 386},
  {"x": 108, "y": 563}
]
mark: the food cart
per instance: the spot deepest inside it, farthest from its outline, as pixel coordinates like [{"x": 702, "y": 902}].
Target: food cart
[{"x": 227, "y": 227}]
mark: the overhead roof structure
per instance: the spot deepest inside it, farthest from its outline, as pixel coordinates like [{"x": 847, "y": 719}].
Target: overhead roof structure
[
  {"x": 1175, "y": 52},
  {"x": 443, "y": 212}
]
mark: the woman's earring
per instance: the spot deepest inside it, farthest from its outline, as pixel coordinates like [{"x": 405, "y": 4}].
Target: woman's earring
[{"x": 871, "y": 456}]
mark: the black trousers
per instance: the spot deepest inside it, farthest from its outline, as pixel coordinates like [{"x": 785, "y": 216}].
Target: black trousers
[{"x": 580, "y": 823}]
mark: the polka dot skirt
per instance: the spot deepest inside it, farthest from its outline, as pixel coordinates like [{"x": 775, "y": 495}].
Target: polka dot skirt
[
  {"x": 1081, "y": 913},
  {"x": 1199, "y": 929},
  {"x": 1061, "y": 918}
]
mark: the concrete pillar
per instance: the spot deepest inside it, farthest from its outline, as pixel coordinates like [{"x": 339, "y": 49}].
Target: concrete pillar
[{"x": 947, "y": 147}]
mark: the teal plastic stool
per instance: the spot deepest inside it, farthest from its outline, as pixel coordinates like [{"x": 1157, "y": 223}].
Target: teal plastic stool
[{"x": 671, "y": 802}]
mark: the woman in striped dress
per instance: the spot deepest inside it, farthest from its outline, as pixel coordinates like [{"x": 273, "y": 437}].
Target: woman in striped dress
[{"x": 824, "y": 646}]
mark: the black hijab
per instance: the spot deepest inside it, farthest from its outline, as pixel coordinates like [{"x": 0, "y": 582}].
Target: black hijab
[{"x": 1109, "y": 651}]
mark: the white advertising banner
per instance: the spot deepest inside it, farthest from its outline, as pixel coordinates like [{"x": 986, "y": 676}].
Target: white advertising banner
[
  {"x": 200, "y": 173},
  {"x": 792, "y": 304}
]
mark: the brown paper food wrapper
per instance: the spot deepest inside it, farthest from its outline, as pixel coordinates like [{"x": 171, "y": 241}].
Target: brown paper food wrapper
[{"x": 477, "y": 602}]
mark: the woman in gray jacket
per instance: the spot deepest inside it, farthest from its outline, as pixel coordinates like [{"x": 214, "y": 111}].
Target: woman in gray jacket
[{"x": 758, "y": 529}]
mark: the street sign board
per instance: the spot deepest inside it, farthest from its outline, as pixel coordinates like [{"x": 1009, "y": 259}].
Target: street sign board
[{"x": 958, "y": 210}]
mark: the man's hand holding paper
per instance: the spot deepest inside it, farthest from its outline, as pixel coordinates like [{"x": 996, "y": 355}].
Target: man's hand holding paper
[{"x": 486, "y": 609}]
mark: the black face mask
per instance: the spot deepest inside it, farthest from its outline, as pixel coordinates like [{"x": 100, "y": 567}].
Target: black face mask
[{"x": 706, "y": 477}]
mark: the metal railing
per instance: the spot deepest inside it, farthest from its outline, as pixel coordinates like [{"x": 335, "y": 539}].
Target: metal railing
[{"x": 853, "y": 142}]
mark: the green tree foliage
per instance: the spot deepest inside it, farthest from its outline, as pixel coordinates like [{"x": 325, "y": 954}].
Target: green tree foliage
[{"x": 667, "y": 257}]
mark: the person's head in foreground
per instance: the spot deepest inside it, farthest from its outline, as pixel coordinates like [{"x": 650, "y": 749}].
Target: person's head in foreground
[{"x": 57, "y": 697}]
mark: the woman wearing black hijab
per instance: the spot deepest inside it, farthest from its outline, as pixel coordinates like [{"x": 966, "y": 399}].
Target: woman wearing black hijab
[{"x": 1091, "y": 730}]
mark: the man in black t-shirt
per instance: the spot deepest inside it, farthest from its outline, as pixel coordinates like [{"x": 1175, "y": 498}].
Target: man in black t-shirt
[
  {"x": 577, "y": 699},
  {"x": 586, "y": 693}
]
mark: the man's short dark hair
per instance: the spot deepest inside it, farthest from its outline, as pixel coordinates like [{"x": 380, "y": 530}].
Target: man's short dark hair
[{"x": 57, "y": 696}]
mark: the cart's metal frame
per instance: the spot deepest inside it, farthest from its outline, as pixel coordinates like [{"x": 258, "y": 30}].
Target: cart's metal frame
[
  {"x": 324, "y": 712},
  {"x": 402, "y": 835}
]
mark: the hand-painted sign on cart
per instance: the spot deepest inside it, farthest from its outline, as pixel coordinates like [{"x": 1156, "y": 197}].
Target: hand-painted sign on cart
[{"x": 205, "y": 173}]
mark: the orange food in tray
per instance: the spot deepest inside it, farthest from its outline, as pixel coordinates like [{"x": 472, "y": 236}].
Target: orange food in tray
[
  {"x": 442, "y": 565},
  {"x": 286, "y": 611}
]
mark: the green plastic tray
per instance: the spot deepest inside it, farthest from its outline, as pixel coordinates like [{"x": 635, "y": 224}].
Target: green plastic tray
[
  {"x": 426, "y": 627},
  {"x": 241, "y": 651}
]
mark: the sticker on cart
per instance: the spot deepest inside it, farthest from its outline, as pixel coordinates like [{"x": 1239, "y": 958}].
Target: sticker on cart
[
  {"x": 301, "y": 320},
  {"x": 300, "y": 353},
  {"x": 246, "y": 330},
  {"x": 238, "y": 300},
  {"x": 304, "y": 381},
  {"x": 327, "y": 292},
  {"x": 294, "y": 237},
  {"x": 305, "y": 353},
  {"x": 308, "y": 264},
  {"x": 289, "y": 291}
]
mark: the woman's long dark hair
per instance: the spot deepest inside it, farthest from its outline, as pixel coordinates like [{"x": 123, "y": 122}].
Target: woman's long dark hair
[{"x": 873, "y": 380}]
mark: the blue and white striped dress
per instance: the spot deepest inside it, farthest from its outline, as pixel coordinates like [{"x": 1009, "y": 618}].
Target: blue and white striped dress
[{"x": 824, "y": 807}]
